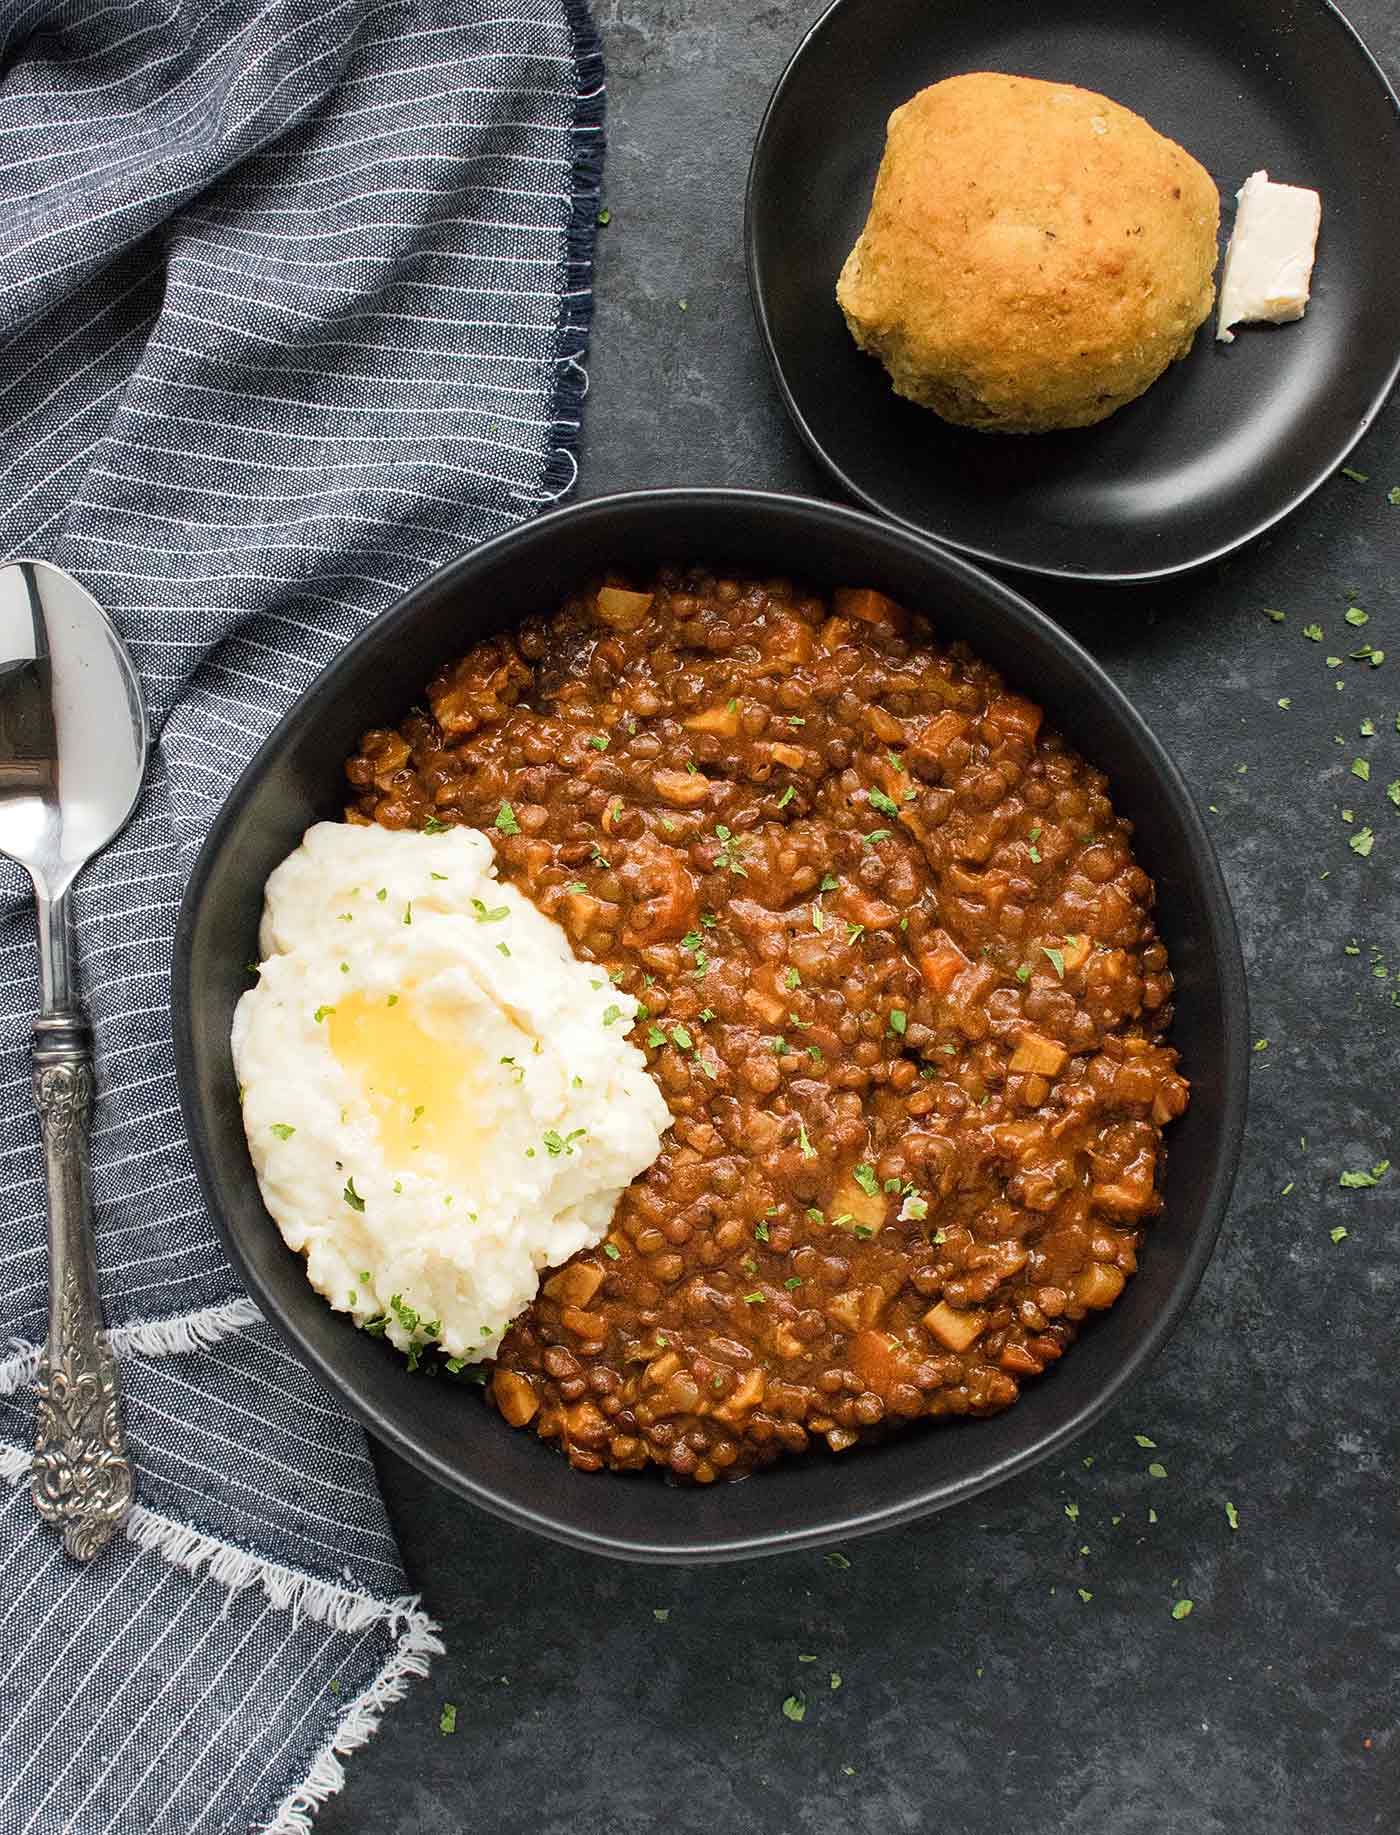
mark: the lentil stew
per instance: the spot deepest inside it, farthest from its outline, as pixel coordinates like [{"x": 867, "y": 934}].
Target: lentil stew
[{"x": 904, "y": 997}]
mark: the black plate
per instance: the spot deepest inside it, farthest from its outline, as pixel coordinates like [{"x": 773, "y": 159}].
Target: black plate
[
  {"x": 296, "y": 779},
  {"x": 1225, "y": 443}
]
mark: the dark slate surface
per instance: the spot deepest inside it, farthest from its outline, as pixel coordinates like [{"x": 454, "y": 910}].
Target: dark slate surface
[{"x": 978, "y": 1689}]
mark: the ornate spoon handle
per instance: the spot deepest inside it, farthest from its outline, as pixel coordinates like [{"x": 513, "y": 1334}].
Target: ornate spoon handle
[{"x": 82, "y": 1478}]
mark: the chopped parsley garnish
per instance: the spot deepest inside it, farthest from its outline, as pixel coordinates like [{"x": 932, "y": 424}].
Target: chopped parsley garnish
[
  {"x": 728, "y": 855},
  {"x": 1313, "y": 632},
  {"x": 433, "y": 827},
  {"x": 864, "y": 1176},
  {"x": 877, "y": 834},
  {"x": 576, "y": 885},
  {"x": 611, "y": 1250},
  {"x": 392, "y": 1001},
  {"x": 885, "y": 804},
  {"x": 1361, "y": 842},
  {"x": 830, "y": 882},
  {"x": 352, "y": 1197},
  {"x": 1357, "y": 477},
  {"x": 1143, "y": 1440},
  {"x": 282, "y": 1131},
  {"x": 655, "y": 1037},
  {"x": 447, "y": 1720},
  {"x": 556, "y": 1143},
  {"x": 1361, "y": 767},
  {"x": 599, "y": 742},
  {"x": 795, "y": 1707},
  {"x": 610, "y": 1014},
  {"x": 1339, "y": 1233},
  {"x": 809, "y": 1152},
  {"x": 792, "y": 979},
  {"x": 786, "y": 797},
  {"x": 1355, "y": 616},
  {"x": 1023, "y": 973},
  {"x": 408, "y": 912},
  {"x": 1156, "y": 1469},
  {"x": 1393, "y": 792},
  {"x": 491, "y": 916},
  {"x": 502, "y": 948},
  {"x": 1232, "y": 1516},
  {"x": 321, "y": 1013},
  {"x": 1183, "y": 1608},
  {"x": 681, "y": 1039},
  {"x": 505, "y": 820},
  {"x": 899, "y": 1021},
  {"x": 753, "y": 1299},
  {"x": 1057, "y": 959},
  {"x": 793, "y": 1281},
  {"x": 382, "y": 894},
  {"x": 760, "y": 1230}
]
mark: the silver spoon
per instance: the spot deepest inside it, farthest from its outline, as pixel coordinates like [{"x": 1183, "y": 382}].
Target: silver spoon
[{"x": 73, "y": 743}]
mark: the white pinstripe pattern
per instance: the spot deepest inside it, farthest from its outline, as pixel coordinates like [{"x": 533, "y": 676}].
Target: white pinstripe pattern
[{"x": 292, "y": 300}]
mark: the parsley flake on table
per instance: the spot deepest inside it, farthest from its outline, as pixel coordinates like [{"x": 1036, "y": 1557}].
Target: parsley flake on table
[
  {"x": 1361, "y": 767},
  {"x": 1392, "y": 496},
  {"x": 1274, "y": 616},
  {"x": 1232, "y": 1516},
  {"x": 1072, "y": 1512},
  {"x": 1284, "y": 702},
  {"x": 1368, "y": 729},
  {"x": 1356, "y": 477},
  {"x": 1393, "y": 792},
  {"x": 1313, "y": 632},
  {"x": 1143, "y": 1440},
  {"x": 447, "y": 1720},
  {"x": 1339, "y": 1233},
  {"x": 1084, "y": 1594},
  {"x": 795, "y": 1707},
  {"x": 505, "y": 820},
  {"x": 1156, "y": 1469},
  {"x": 836, "y": 1559},
  {"x": 1183, "y": 1608},
  {"x": 1361, "y": 1180},
  {"x": 1361, "y": 842},
  {"x": 1356, "y": 617}
]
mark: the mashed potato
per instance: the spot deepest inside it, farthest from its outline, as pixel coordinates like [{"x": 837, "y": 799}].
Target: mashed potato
[
  {"x": 1035, "y": 255},
  {"x": 439, "y": 1097}
]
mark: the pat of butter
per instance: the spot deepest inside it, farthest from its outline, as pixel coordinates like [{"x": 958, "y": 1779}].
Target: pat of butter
[{"x": 1268, "y": 265}]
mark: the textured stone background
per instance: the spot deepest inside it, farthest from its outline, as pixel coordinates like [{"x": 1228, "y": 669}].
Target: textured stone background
[{"x": 978, "y": 1690}]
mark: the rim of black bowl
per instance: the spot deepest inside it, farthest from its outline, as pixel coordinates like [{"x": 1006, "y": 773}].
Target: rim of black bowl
[
  {"x": 1224, "y": 947},
  {"x": 1088, "y": 576}
]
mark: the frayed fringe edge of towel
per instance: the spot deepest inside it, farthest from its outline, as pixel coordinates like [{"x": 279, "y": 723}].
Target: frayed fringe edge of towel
[
  {"x": 358, "y": 1724},
  {"x": 147, "y": 1338},
  {"x": 415, "y": 1634},
  {"x": 576, "y": 313}
]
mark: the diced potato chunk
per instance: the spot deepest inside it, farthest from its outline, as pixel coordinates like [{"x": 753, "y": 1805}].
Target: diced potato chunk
[
  {"x": 683, "y": 789},
  {"x": 790, "y": 755},
  {"x": 1038, "y": 1054},
  {"x": 1075, "y": 951},
  {"x": 515, "y": 1397},
  {"x": 591, "y": 1327},
  {"x": 955, "y": 1328},
  {"x": 873, "y": 1360},
  {"x": 844, "y": 1308},
  {"x": 722, "y": 719},
  {"x": 574, "y": 1285},
  {"x": 748, "y": 1394},
  {"x": 621, "y": 609},
  {"x": 852, "y": 1201},
  {"x": 1099, "y": 1285}
]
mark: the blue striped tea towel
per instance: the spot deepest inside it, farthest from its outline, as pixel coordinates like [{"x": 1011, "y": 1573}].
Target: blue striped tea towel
[{"x": 293, "y": 297}]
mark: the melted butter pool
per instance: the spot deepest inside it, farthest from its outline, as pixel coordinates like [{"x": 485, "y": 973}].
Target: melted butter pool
[{"x": 426, "y": 1097}]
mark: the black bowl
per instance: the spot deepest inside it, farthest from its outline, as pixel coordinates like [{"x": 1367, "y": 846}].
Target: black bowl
[{"x": 296, "y": 780}]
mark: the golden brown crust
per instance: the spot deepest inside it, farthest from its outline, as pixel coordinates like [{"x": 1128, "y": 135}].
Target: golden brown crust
[{"x": 1035, "y": 255}]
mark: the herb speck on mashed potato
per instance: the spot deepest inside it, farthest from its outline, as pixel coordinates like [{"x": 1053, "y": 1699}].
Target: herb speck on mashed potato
[{"x": 433, "y": 1120}]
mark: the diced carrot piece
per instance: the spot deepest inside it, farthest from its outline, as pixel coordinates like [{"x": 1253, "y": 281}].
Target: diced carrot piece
[
  {"x": 869, "y": 606},
  {"x": 940, "y": 965},
  {"x": 1036, "y": 1053},
  {"x": 589, "y": 1326},
  {"x": 873, "y": 1360},
  {"x": 953, "y": 1327},
  {"x": 1014, "y": 716}
]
